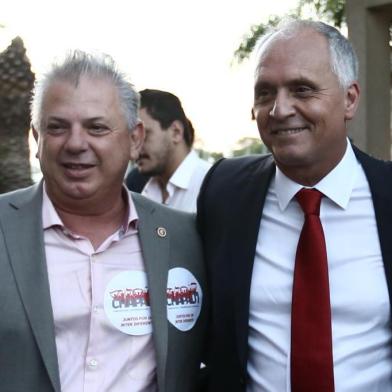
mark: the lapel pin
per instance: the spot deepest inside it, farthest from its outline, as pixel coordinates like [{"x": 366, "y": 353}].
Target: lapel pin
[{"x": 161, "y": 231}]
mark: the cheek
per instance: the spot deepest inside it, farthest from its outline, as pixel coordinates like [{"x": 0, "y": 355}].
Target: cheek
[
  {"x": 156, "y": 145},
  {"x": 148, "y": 144},
  {"x": 48, "y": 149},
  {"x": 262, "y": 122},
  {"x": 322, "y": 114}
]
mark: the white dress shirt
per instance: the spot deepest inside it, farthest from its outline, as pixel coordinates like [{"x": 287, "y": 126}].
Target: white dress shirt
[
  {"x": 361, "y": 330},
  {"x": 183, "y": 186}
]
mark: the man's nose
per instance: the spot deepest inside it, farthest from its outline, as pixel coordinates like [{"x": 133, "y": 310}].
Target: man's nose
[
  {"x": 77, "y": 139},
  {"x": 283, "y": 106}
]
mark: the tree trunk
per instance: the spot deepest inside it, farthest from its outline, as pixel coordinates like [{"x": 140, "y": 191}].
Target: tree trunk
[{"x": 16, "y": 83}]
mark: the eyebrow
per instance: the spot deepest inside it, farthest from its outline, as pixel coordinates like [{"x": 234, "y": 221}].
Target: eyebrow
[
  {"x": 99, "y": 118},
  {"x": 63, "y": 120},
  {"x": 58, "y": 119},
  {"x": 294, "y": 82},
  {"x": 302, "y": 80}
]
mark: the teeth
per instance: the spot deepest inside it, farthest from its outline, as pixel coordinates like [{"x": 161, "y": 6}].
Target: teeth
[
  {"x": 76, "y": 166},
  {"x": 289, "y": 131}
]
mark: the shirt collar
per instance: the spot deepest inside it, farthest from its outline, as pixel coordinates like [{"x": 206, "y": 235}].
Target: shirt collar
[
  {"x": 50, "y": 217},
  {"x": 182, "y": 176},
  {"x": 337, "y": 185},
  {"x": 131, "y": 217}
]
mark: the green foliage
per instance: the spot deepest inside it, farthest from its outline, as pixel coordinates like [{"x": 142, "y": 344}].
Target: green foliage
[
  {"x": 249, "y": 41},
  {"x": 332, "y": 11},
  {"x": 249, "y": 145},
  {"x": 244, "y": 146},
  {"x": 208, "y": 155}
]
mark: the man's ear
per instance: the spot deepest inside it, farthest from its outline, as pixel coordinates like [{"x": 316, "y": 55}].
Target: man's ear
[
  {"x": 177, "y": 131},
  {"x": 351, "y": 100},
  {"x": 36, "y": 138},
  {"x": 35, "y": 133},
  {"x": 252, "y": 113},
  {"x": 136, "y": 138}
]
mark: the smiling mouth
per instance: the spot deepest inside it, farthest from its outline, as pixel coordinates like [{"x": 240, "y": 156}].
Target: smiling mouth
[
  {"x": 77, "y": 166},
  {"x": 288, "y": 131}
]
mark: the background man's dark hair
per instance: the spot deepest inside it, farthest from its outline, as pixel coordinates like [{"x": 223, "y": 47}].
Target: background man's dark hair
[{"x": 165, "y": 108}]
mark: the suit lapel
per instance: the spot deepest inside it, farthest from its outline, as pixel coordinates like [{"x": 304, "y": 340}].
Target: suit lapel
[
  {"x": 155, "y": 250},
  {"x": 22, "y": 226},
  {"x": 379, "y": 176},
  {"x": 248, "y": 203}
]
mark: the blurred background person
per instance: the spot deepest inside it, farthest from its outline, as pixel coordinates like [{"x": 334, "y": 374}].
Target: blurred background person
[{"x": 175, "y": 170}]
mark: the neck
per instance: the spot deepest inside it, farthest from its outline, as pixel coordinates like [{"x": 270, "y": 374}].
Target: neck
[
  {"x": 310, "y": 173},
  {"x": 306, "y": 176},
  {"x": 172, "y": 165},
  {"x": 95, "y": 224}
]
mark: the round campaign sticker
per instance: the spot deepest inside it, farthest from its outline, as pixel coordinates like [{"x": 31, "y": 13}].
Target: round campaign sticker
[
  {"x": 127, "y": 303},
  {"x": 184, "y": 298}
]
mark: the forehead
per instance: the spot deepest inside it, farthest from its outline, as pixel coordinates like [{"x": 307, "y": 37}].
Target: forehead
[
  {"x": 300, "y": 54},
  {"x": 144, "y": 115},
  {"x": 148, "y": 120},
  {"x": 89, "y": 97}
]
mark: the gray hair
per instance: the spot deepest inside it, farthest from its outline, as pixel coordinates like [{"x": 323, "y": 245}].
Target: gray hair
[
  {"x": 343, "y": 59},
  {"x": 77, "y": 64}
]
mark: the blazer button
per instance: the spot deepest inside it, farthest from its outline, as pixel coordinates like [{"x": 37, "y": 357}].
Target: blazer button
[{"x": 242, "y": 381}]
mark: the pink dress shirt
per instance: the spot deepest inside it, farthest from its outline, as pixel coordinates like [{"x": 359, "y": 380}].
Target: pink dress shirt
[{"x": 94, "y": 356}]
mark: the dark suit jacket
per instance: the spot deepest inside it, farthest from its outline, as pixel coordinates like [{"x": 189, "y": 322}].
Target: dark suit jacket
[
  {"x": 28, "y": 357},
  {"x": 135, "y": 181},
  {"x": 229, "y": 211}
]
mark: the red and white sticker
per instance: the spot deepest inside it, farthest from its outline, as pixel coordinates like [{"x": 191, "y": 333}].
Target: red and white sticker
[
  {"x": 127, "y": 303},
  {"x": 184, "y": 299}
]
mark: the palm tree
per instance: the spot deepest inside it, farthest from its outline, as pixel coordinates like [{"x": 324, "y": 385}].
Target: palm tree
[{"x": 16, "y": 82}]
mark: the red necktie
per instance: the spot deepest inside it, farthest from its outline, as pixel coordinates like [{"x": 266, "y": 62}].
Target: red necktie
[{"x": 311, "y": 335}]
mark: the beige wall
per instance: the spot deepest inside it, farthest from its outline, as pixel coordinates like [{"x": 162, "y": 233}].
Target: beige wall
[{"x": 368, "y": 27}]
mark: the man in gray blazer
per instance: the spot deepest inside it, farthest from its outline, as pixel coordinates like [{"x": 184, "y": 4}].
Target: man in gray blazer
[{"x": 100, "y": 289}]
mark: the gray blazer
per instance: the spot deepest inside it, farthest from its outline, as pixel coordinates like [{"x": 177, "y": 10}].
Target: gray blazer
[{"x": 28, "y": 357}]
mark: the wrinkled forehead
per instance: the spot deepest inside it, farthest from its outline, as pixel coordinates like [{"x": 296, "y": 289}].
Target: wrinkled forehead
[
  {"x": 289, "y": 42},
  {"x": 86, "y": 88},
  {"x": 90, "y": 98},
  {"x": 84, "y": 82}
]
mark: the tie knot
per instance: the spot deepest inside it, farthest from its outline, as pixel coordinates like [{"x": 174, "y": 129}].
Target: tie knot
[{"x": 309, "y": 200}]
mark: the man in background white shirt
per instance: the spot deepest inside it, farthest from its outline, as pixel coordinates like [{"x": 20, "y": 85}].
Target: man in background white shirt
[{"x": 175, "y": 169}]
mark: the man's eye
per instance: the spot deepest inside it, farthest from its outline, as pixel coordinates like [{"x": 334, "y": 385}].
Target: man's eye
[
  {"x": 262, "y": 95},
  {"x": 98, "y": 129},
  {"x": 303, "y": 90},
  {"x": 55, "y": 128}
]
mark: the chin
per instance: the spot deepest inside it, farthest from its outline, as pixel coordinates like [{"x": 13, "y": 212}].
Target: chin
[
  {"x": 80, "y": 194},
  {"x": 79, "y": 190},
  {"x": 292, "y": 159}
]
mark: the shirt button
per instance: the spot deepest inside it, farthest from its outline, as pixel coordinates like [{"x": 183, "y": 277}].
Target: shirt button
[
  {"x": 93, "y": 363},
  {"x": 95, "y": 309}
]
